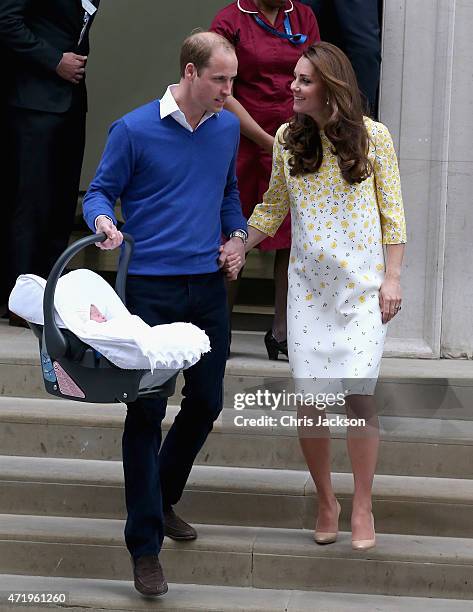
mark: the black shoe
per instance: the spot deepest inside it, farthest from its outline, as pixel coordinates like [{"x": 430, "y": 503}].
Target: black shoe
[
  {"x": 176, "y": 528},
  {"x": 274, "y": 347},
  {"x": 149, "y": 577}
]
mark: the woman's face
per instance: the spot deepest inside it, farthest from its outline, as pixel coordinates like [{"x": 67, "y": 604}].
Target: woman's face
[{"x": 310, "y": 93}]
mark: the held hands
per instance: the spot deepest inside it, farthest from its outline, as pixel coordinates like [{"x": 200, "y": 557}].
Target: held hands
[
  {"x": 232, "y": 257},
  {"x": 390, "y": 297},
  {"x": 72, "y": 67},
  {"x": 115, "y": 238}
]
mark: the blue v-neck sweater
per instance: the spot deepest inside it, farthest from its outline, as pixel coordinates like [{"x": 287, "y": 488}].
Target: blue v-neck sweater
[{"x": 178, "y": 189}]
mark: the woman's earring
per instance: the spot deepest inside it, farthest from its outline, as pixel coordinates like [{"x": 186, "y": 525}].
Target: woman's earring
[{"x": 327, "y": 102}]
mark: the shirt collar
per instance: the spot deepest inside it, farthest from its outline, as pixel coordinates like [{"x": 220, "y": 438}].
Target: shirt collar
[
  {"x": 168, "y": 106},
  {"x": 248, "y": 6}
]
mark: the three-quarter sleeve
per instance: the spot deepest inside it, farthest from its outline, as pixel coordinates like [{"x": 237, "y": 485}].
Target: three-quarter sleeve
[
  {"x": 269, "y": 215},
  {"x": 388, "y": 188}
]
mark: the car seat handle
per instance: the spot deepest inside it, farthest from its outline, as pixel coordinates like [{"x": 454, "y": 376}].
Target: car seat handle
[{"x": 54, "y": 342}]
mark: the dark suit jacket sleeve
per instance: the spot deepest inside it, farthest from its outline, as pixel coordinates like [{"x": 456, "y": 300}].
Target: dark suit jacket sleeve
[
  {"x": 359, "y": 27},
  {"x": 16, "y": 36},
  {"x": 314, "y": 33}
]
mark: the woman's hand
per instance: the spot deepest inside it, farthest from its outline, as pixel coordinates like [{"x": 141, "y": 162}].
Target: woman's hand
[
  {"x": 232, "y": 257},
  {"x": 390, "y": 298}
]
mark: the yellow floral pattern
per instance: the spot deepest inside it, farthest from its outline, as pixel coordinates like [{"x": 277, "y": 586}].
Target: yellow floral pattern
[
  {"x": 337, "y": 260},
  {"x": 385, "y": 187}
]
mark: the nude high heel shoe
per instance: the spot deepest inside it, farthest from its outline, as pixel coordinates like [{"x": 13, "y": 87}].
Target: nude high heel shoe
[
  {"x": 365, "y": 544},
  {"x": 327, "y": 537}
]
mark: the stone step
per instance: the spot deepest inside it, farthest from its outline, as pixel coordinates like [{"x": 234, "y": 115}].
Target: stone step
[
  {"x": 407, "y": 387},
  {"x": 87, "y": 594},
  {"x": 406, "y": 565},
  {"x": 242, "y": 496},
  {"x": 59, "y": 428}
]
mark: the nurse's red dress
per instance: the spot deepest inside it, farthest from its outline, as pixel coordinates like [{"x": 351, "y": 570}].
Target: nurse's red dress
[{"x": 265, "y": 71}]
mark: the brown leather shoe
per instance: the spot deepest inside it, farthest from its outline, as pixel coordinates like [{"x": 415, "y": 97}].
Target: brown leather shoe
[
  {"x": 176, "y": 528},
  {"x": 149, "y": 577}
]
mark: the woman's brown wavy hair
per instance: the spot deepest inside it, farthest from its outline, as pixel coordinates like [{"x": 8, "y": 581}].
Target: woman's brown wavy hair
[{"x": 345, "y": 127}]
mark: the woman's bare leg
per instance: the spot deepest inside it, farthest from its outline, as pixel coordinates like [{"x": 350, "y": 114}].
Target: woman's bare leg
[
  {"x": 281, "y": 263},
  {"x": 363, "y": 445},
  {"x": 315, "y": 444}
]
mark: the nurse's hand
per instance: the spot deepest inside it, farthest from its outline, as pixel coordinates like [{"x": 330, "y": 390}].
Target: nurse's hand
[
  {"x": 267, "y": 143},
  {"x": 103, "y": 225}
]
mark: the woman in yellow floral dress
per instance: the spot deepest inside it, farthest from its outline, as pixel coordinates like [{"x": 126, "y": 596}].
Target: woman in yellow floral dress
[{"x": 337, "y": 172}]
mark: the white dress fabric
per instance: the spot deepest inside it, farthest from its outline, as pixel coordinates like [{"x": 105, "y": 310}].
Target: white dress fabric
[
  {"x": 124, "y": 339},
  {"x": 335, "y": 331}
]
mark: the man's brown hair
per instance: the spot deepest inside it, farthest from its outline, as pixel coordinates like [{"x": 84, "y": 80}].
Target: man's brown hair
[{"x": 198, "y": 48}]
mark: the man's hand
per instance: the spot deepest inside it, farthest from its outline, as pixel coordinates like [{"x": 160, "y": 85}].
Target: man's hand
[
  {"x": 115, "y": 238},
  {"x": 72, "y": 67},
  {"x": 232, "y": 257}
]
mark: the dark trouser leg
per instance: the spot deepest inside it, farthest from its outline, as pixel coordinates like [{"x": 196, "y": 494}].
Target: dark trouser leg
[
  {"x": 5, "y": 208},
  {"x": 150, "y": 477},
  {"x": 141, "y": 442},
  {"x": 46, "y": 157},
  {"x": 156, "y": 301},
  {"x": 71, "y": 143},
  {"x": 203, "y": 389}
]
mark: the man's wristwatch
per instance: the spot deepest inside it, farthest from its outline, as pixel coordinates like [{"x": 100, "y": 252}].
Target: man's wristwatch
[
  {"x": 239, "y": 233},
  {"x": 97, "y": 218}
]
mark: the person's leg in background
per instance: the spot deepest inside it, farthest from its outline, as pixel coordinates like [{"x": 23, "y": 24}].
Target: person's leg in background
[
  {"x": 276, "y": 338},
  {"x": 70, "y": 153},
  {"x": 4, "y": 258},
  {"x": 281, "y": 264},
  {"x": 5, "y": 62},
  {"x": 33, "y": 137}
]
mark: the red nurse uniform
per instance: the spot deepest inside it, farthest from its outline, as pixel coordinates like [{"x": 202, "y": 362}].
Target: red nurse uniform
[{"x": 265, "y": 71}]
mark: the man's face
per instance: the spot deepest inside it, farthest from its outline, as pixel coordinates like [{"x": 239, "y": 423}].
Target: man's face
[{"x": 214, "y": 84}]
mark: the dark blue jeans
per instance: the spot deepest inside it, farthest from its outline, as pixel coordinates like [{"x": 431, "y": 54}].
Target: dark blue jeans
[{"x": 155, "y": 475}]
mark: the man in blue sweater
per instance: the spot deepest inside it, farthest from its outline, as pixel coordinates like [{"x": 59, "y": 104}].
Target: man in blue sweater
[{"x": 172, "y": 164}]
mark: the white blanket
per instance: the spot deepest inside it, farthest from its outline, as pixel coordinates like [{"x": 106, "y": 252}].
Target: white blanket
[{"x": 124, "y": 339}]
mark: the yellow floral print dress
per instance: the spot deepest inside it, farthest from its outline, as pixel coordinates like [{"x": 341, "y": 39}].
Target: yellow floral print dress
[{"x": 337, "y": 260}]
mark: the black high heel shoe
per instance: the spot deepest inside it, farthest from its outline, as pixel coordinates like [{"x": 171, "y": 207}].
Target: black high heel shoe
[{"x": 274, "y": 347}]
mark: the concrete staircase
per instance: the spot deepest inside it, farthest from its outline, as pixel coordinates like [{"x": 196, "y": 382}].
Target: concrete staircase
[{"x": 62, "y": 502}]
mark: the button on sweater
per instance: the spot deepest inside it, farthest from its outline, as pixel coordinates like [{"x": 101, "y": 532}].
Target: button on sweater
[{"x": 177, "y": 188}]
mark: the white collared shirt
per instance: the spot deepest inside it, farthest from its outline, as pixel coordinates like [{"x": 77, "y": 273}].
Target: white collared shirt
[{"x": 168, "y": 106}]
